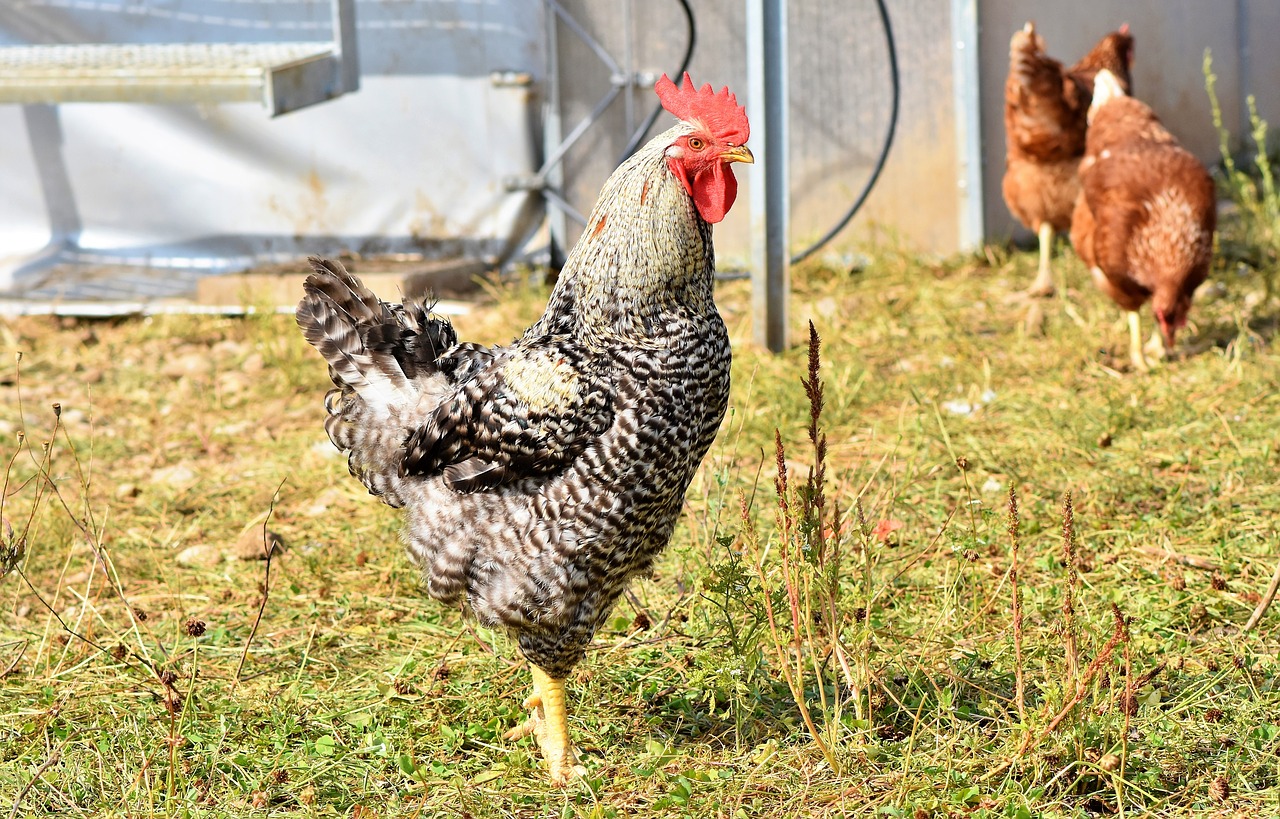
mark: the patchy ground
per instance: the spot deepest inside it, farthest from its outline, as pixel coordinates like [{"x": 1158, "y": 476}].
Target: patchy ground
[{"x": 155, "y": 664}]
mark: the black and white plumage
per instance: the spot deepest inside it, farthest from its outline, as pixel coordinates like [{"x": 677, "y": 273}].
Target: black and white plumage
[{"x": 540, "y": 477}]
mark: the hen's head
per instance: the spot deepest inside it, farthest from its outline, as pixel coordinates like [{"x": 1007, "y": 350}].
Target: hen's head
[
  {"x": 1171, "y": 315},
  {"x": 1114, "y": 53},
  {"x": 701, "y": 159}
]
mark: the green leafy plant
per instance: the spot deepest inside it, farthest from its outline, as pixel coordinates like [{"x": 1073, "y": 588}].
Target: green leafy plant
[{"x": 1254, "y": 236}]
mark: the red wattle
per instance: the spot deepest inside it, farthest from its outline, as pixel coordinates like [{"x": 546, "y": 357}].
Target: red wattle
[{"x": 714, "y": 190}]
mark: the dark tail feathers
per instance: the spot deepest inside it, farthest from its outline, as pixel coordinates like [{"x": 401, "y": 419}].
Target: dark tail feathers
[{"x": 372, "y": 347}]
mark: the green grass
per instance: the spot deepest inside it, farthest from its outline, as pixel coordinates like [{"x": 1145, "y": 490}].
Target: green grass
[{"x": 359, "y": 697}]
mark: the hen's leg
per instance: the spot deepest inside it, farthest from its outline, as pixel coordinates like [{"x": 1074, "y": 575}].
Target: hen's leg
[
  {"x": 1043, "y": 285},
  {"x": 1155, "y": 347},
  {"x": 1135, "y": 344},
  {"x": 549, "y": 724}
]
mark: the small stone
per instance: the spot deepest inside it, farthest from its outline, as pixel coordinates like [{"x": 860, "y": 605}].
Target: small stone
[
  {"x": 1109, "y": 762},
  {"x": 200, "y": 556},
  {"x": 323, "y": 502},
  {"x": 186, "y": 366},
  {"x": 252, "y": 545},
  {"x": 178, "y": 475},
  {"x": 233, "y": 382},
  {"x": 227, "y": 348},
  {"x": 127, "y": 491},
  {"x": 253, "y": 364}
]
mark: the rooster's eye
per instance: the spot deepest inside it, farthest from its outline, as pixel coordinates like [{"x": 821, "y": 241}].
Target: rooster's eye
[{"x": 696, "y": 144}]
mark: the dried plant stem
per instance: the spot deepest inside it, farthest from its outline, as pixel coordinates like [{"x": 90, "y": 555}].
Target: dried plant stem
[
  {"x": 269, "y": 548},
  {"x": 1020, "y": 683},
  {"x": 786, "y": 651},
  {"x": 1265, "y": 602},
  {"x": 22, "y": 650},
  {"x": 1130, "y": 698},
  {"x": 92, "y": 535},
  {"x": 22, "y": 794},
  {"x": 1069, "y": 601},
  {"x": 864, "y": 531},
  {"x": 1119, "y": 634}
]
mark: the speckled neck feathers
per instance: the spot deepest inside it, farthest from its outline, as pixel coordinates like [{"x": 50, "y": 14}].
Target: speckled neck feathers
[{"x": 644, "y": 258}]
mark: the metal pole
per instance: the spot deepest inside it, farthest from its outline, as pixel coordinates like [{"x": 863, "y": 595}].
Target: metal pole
[
  {"x": 344, "y": 34},
  {"x": 552, "y": 135},
  {"x": 964, "y": 68},
  {"x": 770, "y": 205}
]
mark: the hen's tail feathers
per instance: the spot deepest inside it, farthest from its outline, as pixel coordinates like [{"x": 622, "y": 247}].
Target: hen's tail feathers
[
  {"x": 384, "y": 359},
  {"x": 372, "y": 347}
]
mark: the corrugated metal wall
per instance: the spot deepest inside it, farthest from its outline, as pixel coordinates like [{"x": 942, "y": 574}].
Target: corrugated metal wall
[
  {"x": 840, "y": 94},
  {"x": 840, "y": 101}
]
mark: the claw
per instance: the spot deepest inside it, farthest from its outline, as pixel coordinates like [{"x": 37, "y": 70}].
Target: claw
[{"x": 549, "y": 725}]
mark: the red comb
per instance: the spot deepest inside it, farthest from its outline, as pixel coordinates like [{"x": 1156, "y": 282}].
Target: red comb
[
  {"x": 1124, "y": 28},
  {"x": 718, "y": 113}
]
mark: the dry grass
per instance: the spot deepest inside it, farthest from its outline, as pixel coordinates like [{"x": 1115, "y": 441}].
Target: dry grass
[{"x": 123, "y": 692}]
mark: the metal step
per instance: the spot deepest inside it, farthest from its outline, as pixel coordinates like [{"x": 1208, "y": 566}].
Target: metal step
[{"x": 282, "y": 76}]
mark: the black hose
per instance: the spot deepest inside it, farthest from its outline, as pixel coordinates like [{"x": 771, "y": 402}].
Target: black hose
[
  {"x": 638, "y": 138},
  {"x": 884, "y": 151}
]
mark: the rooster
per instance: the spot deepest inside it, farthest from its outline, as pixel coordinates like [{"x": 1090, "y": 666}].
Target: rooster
[
  {"x": 540, "y": 477},
  {"x": 1145, "y": 218},
  {"x": 1045, "y": 116}
]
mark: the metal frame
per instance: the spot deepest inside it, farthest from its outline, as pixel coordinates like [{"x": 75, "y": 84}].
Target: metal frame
[
  {"x": 767, "y": 109},
  {"x": 549, "y": 180},
  {"x": 282, "y": 76},
  {"x": 968, "y": 107},
  {"x": 295, "y": 75}
]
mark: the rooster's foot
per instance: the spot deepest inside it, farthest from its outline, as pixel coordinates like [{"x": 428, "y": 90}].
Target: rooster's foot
[{"x": 548, "y": 723}]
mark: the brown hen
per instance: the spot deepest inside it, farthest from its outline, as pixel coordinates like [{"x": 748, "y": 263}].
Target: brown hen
[
  {"x": 1045, "y": 118},
  {"x": 1145, "y": 217}
]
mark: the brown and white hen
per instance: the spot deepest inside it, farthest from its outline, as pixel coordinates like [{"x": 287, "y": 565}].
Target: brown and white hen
[
  {"x": 1145, "y": 217},
  {"x": 1045, "y": 118}
]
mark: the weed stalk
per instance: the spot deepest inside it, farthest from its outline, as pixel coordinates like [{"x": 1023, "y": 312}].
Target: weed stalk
[
  {"x": 1019, "y": 666},
  {"x": 1069, "y": 626}
]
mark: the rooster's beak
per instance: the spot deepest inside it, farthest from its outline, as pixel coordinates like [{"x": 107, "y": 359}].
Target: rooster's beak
[{"x": 738, "y": 153}]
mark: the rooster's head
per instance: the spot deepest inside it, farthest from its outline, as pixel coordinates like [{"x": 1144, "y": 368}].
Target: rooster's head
[{"x": 700, "y": 159}]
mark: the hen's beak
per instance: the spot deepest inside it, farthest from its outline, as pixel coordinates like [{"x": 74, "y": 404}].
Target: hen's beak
[{"x": 738, "y": 153}]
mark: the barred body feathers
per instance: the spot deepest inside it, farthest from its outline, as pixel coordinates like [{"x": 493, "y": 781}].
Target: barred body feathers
[{"x": 540, "y": 477}]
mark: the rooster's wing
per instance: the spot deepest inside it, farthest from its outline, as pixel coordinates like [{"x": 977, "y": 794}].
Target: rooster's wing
[{"x": 523, "y": 411}]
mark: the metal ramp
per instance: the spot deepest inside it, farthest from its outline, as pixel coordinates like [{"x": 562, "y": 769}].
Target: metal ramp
[{"x": 282, "y": 76}]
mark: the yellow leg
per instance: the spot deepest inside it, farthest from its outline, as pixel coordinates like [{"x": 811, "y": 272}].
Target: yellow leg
[
  {"x": 549, "y": 723},
  {"x": 1135, "y": 344},
  {"x": 1043, "y": 285}
]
